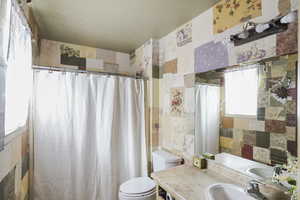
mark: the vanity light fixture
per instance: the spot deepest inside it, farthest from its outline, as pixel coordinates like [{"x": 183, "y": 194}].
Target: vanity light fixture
[{"x": 253, "y": 31}]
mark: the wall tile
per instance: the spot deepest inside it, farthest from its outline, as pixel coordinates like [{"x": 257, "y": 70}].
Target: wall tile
[
  {"x": 261, "y": 114},
  {"x": 171, "y": 66},
  {"x": 237, "y": 142},
  {"x": 262, "y": 155},
  {"x": 291, "y": 107},
  {"x": 291, "y": 120},
  {"x": 249, "y": 137},
  {"x": 291, "y": 133},
  {"x": 284, "y": 6},
  {"x": 7, "y": 186},
  {"x": 240, "y": 123},
  {"x": 278, "y": 156},
  {"x": 287, "y": 41},
  {"x": 228, "y": 13},
  {"x": 278, "y": 141},
  {"x": 184, "y": 35},
  {"x": 256, "y": 125},
  {"x": 210, "y": 56},
  {"x": 276, "y": 113},
  {"x": 226, "y": 142},
  {"x": 247, "y": 151},
  {"x": 292, "y": 147},
  {"x": 226, "y": 132},
  {"x": 177, "y": 101},
  {"x": 189, "y": 80},
  {"x": 262, "y": 139},
  {"x": 227, "y": 122},
  {"x": 275, "y": 126}
]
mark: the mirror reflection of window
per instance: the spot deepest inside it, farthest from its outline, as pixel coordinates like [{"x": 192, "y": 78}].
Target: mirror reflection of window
[{"x": 241, "y": 88}]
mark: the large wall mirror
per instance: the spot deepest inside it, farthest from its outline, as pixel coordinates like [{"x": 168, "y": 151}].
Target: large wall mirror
[{"x": 249, "y": 110}]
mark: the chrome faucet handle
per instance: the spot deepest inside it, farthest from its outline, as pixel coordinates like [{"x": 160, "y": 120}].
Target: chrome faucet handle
[{"x": 254, "y": 191}]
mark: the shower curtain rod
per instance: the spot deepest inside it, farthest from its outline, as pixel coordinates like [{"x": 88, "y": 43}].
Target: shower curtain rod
[{"x": 64, "y": 69}]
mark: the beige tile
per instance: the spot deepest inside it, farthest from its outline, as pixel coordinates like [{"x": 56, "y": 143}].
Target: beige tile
[
  {"x": 240, "y": 123},
  {"x": 261, "y": 155},
  {"x": 226, "y": 142}
]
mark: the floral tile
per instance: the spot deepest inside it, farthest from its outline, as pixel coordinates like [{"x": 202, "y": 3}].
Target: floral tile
[
  {"x": 228, "y": 13},
  {"x": 278, "y": 141},
  {"x": 247, "y": 151},
  {"x": 177, "y": 101},
  {"x": 291, "y": 133},
  {"x": 262, "y": 155},
  {"x": 275, "y": 126},
  {"x": 262, "y": 139}
]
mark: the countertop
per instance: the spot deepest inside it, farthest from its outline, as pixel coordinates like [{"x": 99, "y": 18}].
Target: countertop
[
  {"x": 187, "y": 182},
  {"x": 190, "y": 183}
]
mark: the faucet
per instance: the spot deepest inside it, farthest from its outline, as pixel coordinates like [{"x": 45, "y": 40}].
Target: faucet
[{"x": 253, "y": 190}]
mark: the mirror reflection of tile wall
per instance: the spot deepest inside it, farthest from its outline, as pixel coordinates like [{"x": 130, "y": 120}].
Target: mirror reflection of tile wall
[{"x": 272, "y": 133}]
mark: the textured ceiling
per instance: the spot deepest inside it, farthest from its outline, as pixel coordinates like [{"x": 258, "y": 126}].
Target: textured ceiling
[{"x": 120, "y": 25}]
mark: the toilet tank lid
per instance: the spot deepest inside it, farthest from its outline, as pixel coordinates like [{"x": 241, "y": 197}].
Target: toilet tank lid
[
  {"x": 168, "y": 157},
  {"x": 138, "y": 185}
]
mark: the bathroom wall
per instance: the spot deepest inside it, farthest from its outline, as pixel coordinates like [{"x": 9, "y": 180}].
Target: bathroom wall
[
  {"x": 201, "y": 45},
  {"x": 59, "y": 54}
]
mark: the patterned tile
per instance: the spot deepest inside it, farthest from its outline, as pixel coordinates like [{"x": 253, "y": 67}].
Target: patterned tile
[
  {"x": 228, "y": 13},
  {"x": 256, "y": 125},
  {"x": 292, "y": 147},
  {"x": 226, "y": 142},
  {"x": 226, "y": 132},
  {"x": 292, "y": 92},
  {"x": 170, "y": 67},
  {"x": 291, "y": 107},
  {"x": 284, "y": 6},
  {"x": 278, "y": 156},
  {"x": 237, "y": 142},
  {"x": 291, "y": 133},
  {"x": 261, "y": 112},
  {"x": 247, "y": 151},
  {"x": 278, "y": 141},
  {"x": 209, "y": 56},
  {"x": 184, "y": 35},
  {"x": 249, "y": 137},
  {"x": 262, "y": 139},
  {"x": 262, "y": 155},
  {"x": 227, "y": 122},
  {"x": 177, "y": 101},
  {"x": 275, "y": 126},
  {"x": 275, "y": 113},
  {"x": 7, "y": 186},
  {"x": 291, "y": 120}
]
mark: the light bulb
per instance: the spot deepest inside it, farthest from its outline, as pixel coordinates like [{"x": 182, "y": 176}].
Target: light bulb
[
  {"x": 291, "y": 17},
  {"x": 261, "y": 27}
]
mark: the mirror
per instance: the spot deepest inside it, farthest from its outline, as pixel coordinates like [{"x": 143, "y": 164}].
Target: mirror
[{"x": 248, "y": 110}]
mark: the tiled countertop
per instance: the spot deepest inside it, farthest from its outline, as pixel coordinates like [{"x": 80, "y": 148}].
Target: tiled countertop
[{"x": 189, "y": 183}]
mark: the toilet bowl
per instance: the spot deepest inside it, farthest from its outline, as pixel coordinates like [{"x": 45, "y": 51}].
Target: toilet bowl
[{"x": 144, "y": 188}]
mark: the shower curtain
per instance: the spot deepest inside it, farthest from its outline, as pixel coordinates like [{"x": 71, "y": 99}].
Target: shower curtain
[
  {"x": 207, "y": 119},
  {"x": 89, "y": 135}
]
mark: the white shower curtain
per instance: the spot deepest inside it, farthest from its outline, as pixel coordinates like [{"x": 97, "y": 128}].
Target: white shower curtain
[
  {"x": 207, "y": 119},
  {"x": 89, "y": 135}
]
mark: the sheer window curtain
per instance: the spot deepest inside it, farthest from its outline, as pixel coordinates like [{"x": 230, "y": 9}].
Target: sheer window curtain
[{"x": 89, "y": 135}]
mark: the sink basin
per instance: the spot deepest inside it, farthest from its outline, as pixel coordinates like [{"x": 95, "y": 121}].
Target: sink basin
[
  {"x": 262, "y": 173},
  {"x": 223, "y": 191}
]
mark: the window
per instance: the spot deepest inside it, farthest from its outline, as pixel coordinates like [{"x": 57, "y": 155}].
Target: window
[
  {"x": 18, "y": 75},
  {"x": 241, "y": 92}
]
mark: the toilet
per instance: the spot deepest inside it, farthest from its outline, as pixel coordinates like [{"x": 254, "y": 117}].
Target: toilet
[{"x": 144, "y": 188}]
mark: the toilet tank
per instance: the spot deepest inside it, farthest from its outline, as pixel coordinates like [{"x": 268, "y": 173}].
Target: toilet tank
[{"x": 163, "y": 160}]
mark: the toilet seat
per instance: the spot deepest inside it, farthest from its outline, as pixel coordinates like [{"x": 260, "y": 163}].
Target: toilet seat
[{"x": 138, "y": 187}]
